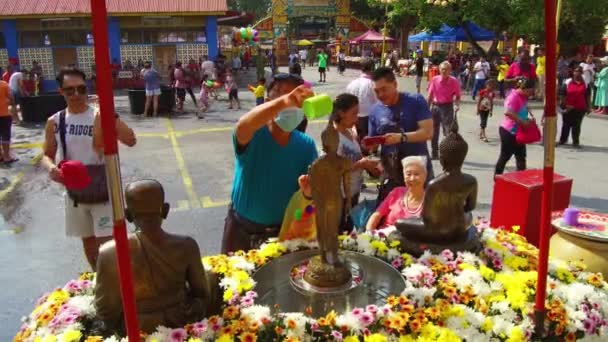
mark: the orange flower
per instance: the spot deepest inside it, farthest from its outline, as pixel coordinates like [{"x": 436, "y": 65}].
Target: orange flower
[
  {"x": 254, "y": 326},
  {"x": 559, "y": 330},
  {"x": 308, "y": 310},
  {"x": 323, "y": 322},
  {"x": 265, "y": 320},
  {"x": 571, "y": 337},
  {"x": 433, "y": 312},
  {"x": 409, "y": 308},
  {"x": 228, "y": 330},
  {"x": 213, "y": 320},
  {"x": 291, "y": 324},
  {"x": 403, "y": 300},
  {"x": 397, "y": 323},
  {"x": 230, "y": 312},
  {"x": 392, "y": 300},
  {"x": 449, "y": 291},
  {"x": 278, "y": 330},
  {"x": 415, "y": 325},
  {"x": 595, "y": 279},
  {"x": 248, "y": 337}
]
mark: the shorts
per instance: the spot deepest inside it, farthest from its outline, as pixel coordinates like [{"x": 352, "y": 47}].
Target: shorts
[
  {"x": 88, "y": 220},
  {"x": 181, "y": 93},
  {"x": 418, "y": 81},
  {"x": 153, "y": 92},
  {"x": 321, "y": 69},
  {"x": 233, "y": 95},
  {"x": 6, "y": 126},
  {"x": 259, "y": 101},
  {"x": 483, "y": 118},
  {"x": 16, "y": 96}
]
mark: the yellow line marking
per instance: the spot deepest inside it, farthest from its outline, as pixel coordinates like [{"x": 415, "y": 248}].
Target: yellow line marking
[
  {"x": 152, "y": 135},
  {"x": 27, "y": 145},
  {"x": 18, "y": 178},
  {"x": 181, "y": 164},
  {"x": 203, "y": 130},
  {"x": 182, "y": 205},
  {"x": 207, "y": 202}
]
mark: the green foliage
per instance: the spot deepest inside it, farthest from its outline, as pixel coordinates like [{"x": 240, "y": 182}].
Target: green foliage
[{"x": 260, "y": 8}]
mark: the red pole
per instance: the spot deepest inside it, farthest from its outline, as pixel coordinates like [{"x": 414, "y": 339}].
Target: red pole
[
  {"x": 549, "y": 135},
  {"x": 108, "y": 123}
]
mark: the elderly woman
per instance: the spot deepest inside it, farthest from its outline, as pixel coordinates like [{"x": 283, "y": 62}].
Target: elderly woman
[{"x": 404, "y": 201}]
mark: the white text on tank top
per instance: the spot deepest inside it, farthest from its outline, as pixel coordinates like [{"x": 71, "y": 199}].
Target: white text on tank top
[{"x": 78, "y": 137}]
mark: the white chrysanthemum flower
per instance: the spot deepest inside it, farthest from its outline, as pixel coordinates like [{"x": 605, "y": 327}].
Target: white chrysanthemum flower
[
  {"x": 469, "y": 258},
  {"x": 161, "y": 334},
  {"x": 501, "y": 306},
  {"x": 349, "y": 320},
  {"x": 392, "y": 254},
  {"x": 501, "y": 325},
  {"x": 241, "y": 263},
  {"x": 256, "y": 313},
  {"x": 84, "y": 304}
]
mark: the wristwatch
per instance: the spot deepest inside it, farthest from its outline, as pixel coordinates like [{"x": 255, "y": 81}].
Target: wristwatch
[{"x": 403, "y": 137}]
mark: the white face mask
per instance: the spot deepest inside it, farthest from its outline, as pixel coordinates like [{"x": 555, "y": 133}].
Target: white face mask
[{"x": 289, "y": 119}]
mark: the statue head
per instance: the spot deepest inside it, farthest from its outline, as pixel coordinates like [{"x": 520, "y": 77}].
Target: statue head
[
  {"x": 453, "y": 150},
  {"x": 146, "y": 206},
  {"x": 330, "y": 139}
]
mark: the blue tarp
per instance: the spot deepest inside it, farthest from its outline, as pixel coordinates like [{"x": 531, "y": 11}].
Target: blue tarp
[{"x": 454, "y": 34}]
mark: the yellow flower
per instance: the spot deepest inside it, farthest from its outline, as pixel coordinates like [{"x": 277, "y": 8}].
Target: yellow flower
[
  {"x": 487, "y": 273},
  {"x": 407, "y": 259},
  {"x": 71, "y": 336},
  {"x": 406, "y": 338},
  {"x": 58, "y": 296},
  {"x": 225, "y": 338},
  {"x": 595, "y": 279},
  {"x": 375, "y": 338},
  {"x": 228, "y": 295},
  {"x": 448, "y": 335},
  {"x": 515, "y": 262},
  {"x": 487, "y": 324},
  {"x": 96, "y": 339},
  {"x": 465, "y": 266},
  {"x": 515, "y": 228},
  {"x": 351, "y": 338},
  {"x": 192, "y": 339},
  {"x": 516, "y": 335},
  {"x": 50, "y": 338},
  {"x": 395, "y": 243},
  {"x": 379, "y": 246}
]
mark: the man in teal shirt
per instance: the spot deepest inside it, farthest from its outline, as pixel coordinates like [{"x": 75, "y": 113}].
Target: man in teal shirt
[
  {"x": 270, "y": 156},
  {"x": 322, "y": 58}
]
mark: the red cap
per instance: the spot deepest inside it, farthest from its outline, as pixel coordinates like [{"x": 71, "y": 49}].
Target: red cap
[{"x": 75, "y": 175}]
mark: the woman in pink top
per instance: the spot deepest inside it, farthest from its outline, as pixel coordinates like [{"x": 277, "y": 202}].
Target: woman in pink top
[
  {"x": 404, "y": 201},
  {"x": 516, "y": 113}
]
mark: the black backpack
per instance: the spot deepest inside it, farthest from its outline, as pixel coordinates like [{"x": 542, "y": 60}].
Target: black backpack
[{"x": 97, "y": 190}]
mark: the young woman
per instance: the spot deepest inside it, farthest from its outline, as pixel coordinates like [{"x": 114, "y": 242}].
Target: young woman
[
  {"x": 344, "y": 117},
  {"x": 516, "y": 113},
  {"x": 575, "y": 103}
]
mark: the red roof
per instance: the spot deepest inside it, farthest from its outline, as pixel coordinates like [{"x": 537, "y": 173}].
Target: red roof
[{"x": 116, "y": 7}]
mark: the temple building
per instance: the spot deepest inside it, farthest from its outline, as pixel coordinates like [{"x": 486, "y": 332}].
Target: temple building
[
  {"x": 321, "y": 21},
  {"x": 58, "y": 33}
]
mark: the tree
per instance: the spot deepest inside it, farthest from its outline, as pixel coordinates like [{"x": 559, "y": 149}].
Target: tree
[{"x": 259, "y": 8}]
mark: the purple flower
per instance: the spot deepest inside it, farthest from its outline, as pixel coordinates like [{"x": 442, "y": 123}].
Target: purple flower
[
  {"x": 497, "y": 264},
  {"x": 381, "y": 235},
  {"x": 178, "y": 335},
  {"x": 314, "y": 326},
  {"x": 357, "y": 312},
  {"x": 589, "y": 326},
  {"x": 336, "y": 335},
  {"x": 251, "y": 294},
  {"x": 199, "y": 328},
  {"x": 234, "y": 300},
  {"x": 366, "y": 319},
  {"x": 386, "y": 309},
  {"x": 448, "y": 254},
  {"x": 216, "y": 327},
  {"x": 247, "y": 302},
  {"x": 397, "y": 262},
  {"x": 371, "y": 308}
]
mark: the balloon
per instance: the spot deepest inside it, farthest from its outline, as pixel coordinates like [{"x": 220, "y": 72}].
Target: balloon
[
  {"x": 310, "y": 209},
  {"x": 243, "y": 32},
  {"x": 255, "y": 33},
  {"x": 298, "y": 214},
  {"x": 216, "y": 85},
  {"x": 209, "y": 83}
]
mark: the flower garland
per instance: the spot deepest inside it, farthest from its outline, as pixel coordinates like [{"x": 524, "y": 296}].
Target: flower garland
[{"x": 448, "y": 297}]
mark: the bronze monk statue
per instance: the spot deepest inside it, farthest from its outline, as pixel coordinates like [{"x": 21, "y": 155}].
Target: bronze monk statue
[
  {"x": 446, "y": 219},
  {"x": 171, "y": 287},
  {"x": 328, "y": 176}
]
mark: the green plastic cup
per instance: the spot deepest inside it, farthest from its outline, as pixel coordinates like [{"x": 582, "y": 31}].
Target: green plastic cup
[{"x": 317, "y": 106}]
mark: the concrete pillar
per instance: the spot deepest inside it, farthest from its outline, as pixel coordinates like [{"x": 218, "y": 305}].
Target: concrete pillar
[
  {"x": 114, "y": 38},
  {"x": 9, "y": 30},
  {"x": 211, "y": 33}
]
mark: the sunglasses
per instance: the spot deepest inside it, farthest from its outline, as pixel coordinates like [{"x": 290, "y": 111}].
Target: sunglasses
[{"x": 70, "y": 91}]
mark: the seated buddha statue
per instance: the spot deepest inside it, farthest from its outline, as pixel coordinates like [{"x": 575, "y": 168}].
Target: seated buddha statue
[
  {"x": 446, "y": 218},
  {"x": 170, "y": 284}
]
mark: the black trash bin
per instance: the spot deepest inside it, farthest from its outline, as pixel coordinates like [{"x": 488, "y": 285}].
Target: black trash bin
[
  {"x": 166, "y": 101},
  {"x": 137, "y": 100},
  {"x": 39, "y": 108}
]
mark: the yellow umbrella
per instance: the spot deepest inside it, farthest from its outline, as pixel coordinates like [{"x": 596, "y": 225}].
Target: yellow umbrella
[{"x": 305, "y": 42}]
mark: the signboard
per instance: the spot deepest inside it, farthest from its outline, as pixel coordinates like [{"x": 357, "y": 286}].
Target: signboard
[
  {"x": 313, "y": 3},
  {"x": 125, "y": 74},
  {"x": 321, "y": 8}
]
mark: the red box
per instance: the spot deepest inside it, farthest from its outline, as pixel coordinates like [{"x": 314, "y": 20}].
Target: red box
[{"x": 518, "y": 197}]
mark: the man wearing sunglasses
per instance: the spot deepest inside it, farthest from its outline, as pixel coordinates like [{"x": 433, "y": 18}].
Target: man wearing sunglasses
[
  {"x": 270, "y": 156},
  {"x": 76, "y": 133}
]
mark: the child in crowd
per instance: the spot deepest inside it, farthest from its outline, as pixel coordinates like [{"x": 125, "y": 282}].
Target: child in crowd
[
  {"x": 259, "y": 91},
  {"x": 233, "y": 91},
  {"x": 299, "y": 220},
  {"x": 203, "y": 98},
  {"x": 485, "y": 105}
]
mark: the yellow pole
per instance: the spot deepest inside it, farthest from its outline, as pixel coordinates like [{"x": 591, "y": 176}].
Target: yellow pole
[
  {"x": 557, "y": 15},
  {"x": 384, "y": 35}
]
